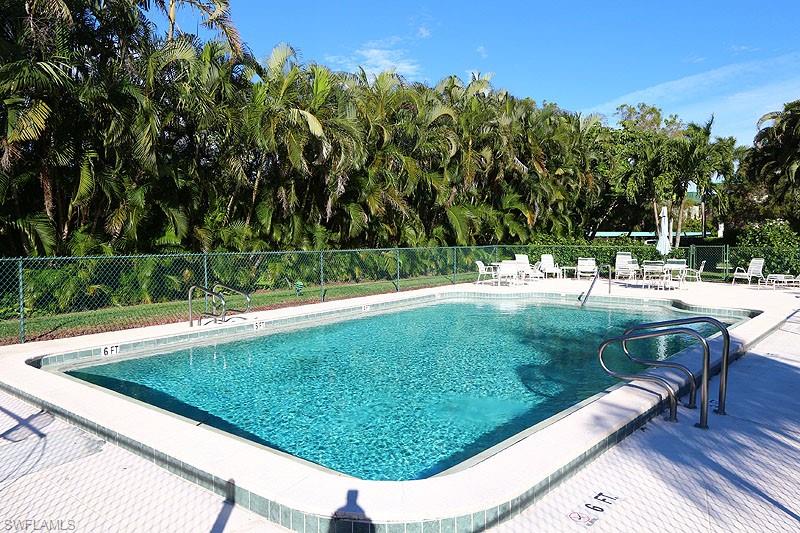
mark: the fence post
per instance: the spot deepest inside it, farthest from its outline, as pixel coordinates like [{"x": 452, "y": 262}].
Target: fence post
[
  {"x": 495, "y": 253},
  {"x": 205, "y": 280},
  {"x": 321, "y": 276},
  {"x": 692, "y": 256},
  {"x": 726, "y": 258},
  {"x": 21, "y": 296},
  {"x": 397, "y": 259},
  {"x": 455, "y": 258}
]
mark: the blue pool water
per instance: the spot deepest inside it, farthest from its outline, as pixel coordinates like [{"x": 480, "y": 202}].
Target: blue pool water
[{"x": 401, "y": 395}]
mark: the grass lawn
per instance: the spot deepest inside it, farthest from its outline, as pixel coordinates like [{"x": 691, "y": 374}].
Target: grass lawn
[{"x": 116, "y": 318}]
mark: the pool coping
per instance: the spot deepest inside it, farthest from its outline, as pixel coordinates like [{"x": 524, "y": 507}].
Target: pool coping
[{"x": 303, "y": 498}]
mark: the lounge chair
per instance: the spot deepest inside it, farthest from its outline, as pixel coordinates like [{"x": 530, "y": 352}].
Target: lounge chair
[
  {"x": 483, "y": 270},
  {"x": 776, "y": 280},
  {"x": 549, "y": 266},
  {"x": 527, "y": 271},
  {"x": 508, "y": 272},
  {"x": 695, "y": 274},
  {"x": 587, "y": 268},
  {"x": 755, "y": 270},
  {"x": 625, "y": 266}
]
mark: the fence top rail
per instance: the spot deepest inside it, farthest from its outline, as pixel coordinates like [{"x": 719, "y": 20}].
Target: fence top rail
[{"x": 261, "y": 253}]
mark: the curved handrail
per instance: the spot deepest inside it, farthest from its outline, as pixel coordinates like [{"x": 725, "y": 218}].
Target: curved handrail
[
  {"x": 663, "y": 333},
  {"x": 667, "y": 364},
  {"x": 246, "y": 295},
  {"x": 214, "y": 296},
  {"x": 673, "y": 402},
  {"x": 726, "y": 348}
]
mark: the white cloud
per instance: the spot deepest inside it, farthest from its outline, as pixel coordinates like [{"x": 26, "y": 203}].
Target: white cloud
[
  {"x": 388, "y": 53},
  {"x": 377, "y": 60},
  {"x": 482, "y": 51},
  {"x": 737, "y": 94},
  {"x": 694, "y": 59},
  {"x": 386, "y": 42},
  {"x": 739, "y": 48}
]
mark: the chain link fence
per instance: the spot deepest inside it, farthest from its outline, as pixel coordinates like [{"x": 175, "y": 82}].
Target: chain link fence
[{"x": 51, "y": 297}]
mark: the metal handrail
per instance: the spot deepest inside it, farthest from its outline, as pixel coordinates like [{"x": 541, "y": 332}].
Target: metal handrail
[
  {"x": 246, "y": 295},
  {"x": 667, "y": 364},
  {"x": 703, "y": 424},
  {"x": 214, "y": 297},
  {"x": 726, "y": 348},
  {"x": 673, "y": 402},
  {"x": 591, "y": 286}
]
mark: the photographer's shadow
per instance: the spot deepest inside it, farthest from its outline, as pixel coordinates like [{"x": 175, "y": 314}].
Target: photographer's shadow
[{"x": 350, "y": 517}]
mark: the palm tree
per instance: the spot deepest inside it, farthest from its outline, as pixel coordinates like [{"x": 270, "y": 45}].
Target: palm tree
[
  {"x": 217, "y": 16},
  {"x": 775, "y": 157}
]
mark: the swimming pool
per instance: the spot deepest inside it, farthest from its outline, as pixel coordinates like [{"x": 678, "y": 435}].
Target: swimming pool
[{"x": 394, "y": 396}]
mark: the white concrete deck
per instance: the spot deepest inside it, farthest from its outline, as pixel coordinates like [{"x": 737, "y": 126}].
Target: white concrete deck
[
  {"x": 741, "y": 475},
  {"x": 54, "y": 472},
  {"x": 496, "y": 480}
]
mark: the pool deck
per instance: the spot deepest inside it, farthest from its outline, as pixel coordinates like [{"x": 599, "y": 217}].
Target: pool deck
[
  {"x": 55, "y": 472},
  {"x": 741, "y": 475},
  {"x": 493, "y": 487}
]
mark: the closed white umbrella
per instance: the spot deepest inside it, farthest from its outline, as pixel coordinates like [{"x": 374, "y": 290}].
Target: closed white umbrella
[{"x": 663, "y": 245}]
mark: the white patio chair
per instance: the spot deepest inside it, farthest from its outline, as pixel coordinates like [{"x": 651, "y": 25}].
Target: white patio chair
[
  {"x": 623, "y": 266},
  {"x": 755, "y": 270},
  {"x": 508, "y": 272},
  {"x": 695, "y": 274},
  {"x": 652, "y": 271},
  {"x": 525, "y": 270},
  {"x": 675, "y": 270},
  {"x": 549, "y": 266},
  {"x": 483, "y": 270},
  {"x": 587, "y": 267}
]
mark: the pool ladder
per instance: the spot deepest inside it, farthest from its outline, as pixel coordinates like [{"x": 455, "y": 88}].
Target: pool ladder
[
  {"x": 674, "y": 327},
  {"x": 219, "y": 309},
  {"x": 583, "y": 297}
]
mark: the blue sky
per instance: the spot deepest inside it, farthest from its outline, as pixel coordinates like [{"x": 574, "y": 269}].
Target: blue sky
[{"x": 732, "y": 58}]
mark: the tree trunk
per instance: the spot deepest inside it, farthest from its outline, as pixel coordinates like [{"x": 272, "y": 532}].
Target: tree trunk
[
  {"x": 703, "y": 218},
  {"x": 680, "y": 224},
  {"x": 171, "y": 16},
  {"x": 229, "y": 209},
  {"x": 253, "y": 198},
  {"x": 656, "y": 218},
  {"x": 46, "y": 182}
]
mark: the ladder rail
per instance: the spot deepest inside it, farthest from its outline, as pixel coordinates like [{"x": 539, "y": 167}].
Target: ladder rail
[
  {"x": 673, "y": 401},
  {"x": 584, "y": 297},
  {"x": 703, "y": 424},
  {"x": 247, "y": 299},
  {"x": 591, "y": 286},
  {"x": 667, "y": 364},
  {"x": 214, "y": 297},
  {"x": 726, "y": 348}
]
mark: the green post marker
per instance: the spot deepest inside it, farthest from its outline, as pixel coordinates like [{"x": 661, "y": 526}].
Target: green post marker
[
  {"x": 455, "y": 254},
  {"x": 321, "y": 276},
  {"x": 21, "y": 295}
]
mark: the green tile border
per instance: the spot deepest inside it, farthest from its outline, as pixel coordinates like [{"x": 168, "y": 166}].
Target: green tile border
[{"x": 311, "y": 523}]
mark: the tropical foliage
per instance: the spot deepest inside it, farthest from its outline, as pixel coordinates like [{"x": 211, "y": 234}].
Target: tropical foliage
[{"x": 118, "y": 139}]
